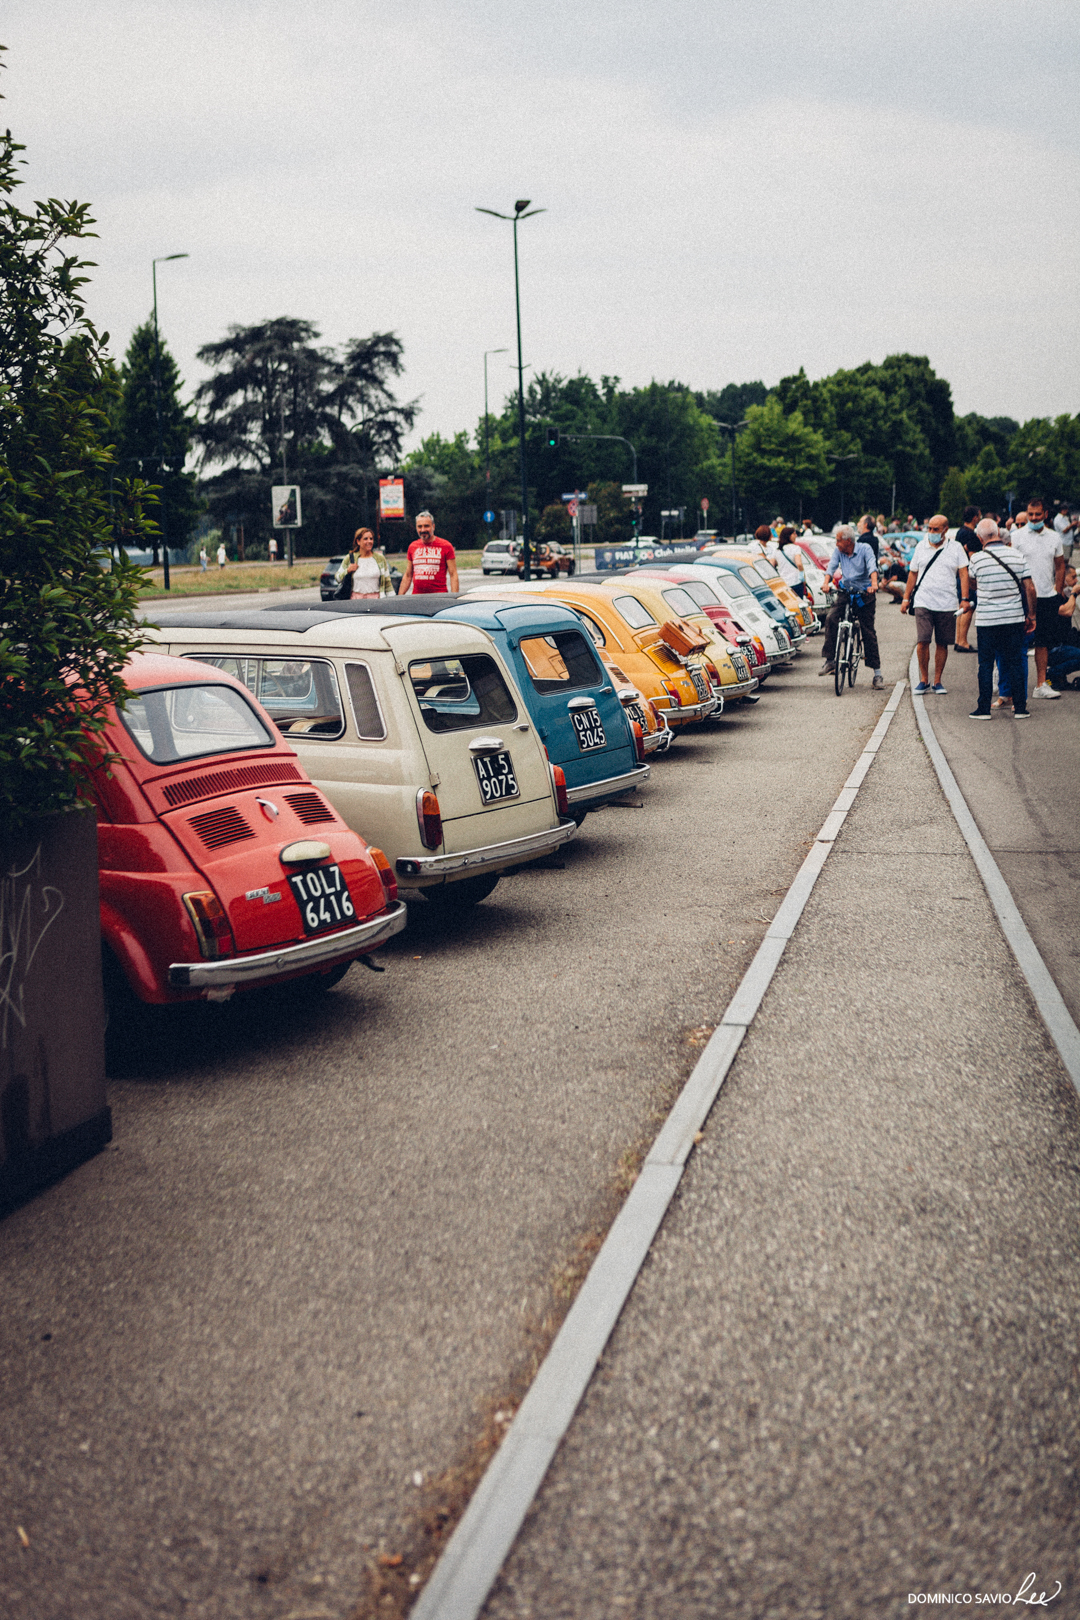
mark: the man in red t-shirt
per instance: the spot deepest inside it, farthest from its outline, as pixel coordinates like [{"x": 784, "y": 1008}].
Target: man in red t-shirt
[{"x": 432, "y": 564}]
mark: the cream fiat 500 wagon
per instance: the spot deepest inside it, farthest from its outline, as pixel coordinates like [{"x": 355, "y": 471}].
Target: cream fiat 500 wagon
[{"x": 413, "y": 728}]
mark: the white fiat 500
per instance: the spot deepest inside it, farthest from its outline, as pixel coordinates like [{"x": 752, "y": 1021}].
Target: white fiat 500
[{"x": 413, "y": 728}]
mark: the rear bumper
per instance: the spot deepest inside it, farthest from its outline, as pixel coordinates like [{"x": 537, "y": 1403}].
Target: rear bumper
[
  {"x": 321, "y": 951},
  {"x": 688, "y": 713},
  {"x": 417, "y": 869},
  {"x": 609, "y": 788}
]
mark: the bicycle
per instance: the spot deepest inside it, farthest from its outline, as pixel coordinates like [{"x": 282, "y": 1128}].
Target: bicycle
[{"x": 849, "y": 647}]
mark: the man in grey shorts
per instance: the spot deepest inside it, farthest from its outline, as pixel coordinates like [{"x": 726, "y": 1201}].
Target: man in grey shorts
[{"x": 936, "y": 565}]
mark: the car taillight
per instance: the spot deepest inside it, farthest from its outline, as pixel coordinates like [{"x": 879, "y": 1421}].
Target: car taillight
[
  {"x": 639, "y": 740},
  {"x": 429, "y": 818},
  {"x": 714, "y": 673},
  {"x": 386, "y": 872},
  {"x": 654, "y": 711},
  {"x": 558, "y": 777},
  {"x": 672, "y": 690},
  {"x": 211, "y": 924}
]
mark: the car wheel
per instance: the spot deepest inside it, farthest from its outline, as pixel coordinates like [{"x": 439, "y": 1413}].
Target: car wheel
[
  {"x": 460, "y": 896},
  {"x": 570, "y": 570},
  {"x": 129, "y": 1022},
  {"x": 315, "y": 984}
]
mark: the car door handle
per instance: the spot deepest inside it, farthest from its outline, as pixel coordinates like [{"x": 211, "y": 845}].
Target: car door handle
[
  {"x": 582, "y": 703},
  {"x": 485, "y": 745}
]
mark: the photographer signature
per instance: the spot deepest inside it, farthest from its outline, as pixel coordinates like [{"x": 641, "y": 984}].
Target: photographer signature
[{"x": 1028, "y": 1595}]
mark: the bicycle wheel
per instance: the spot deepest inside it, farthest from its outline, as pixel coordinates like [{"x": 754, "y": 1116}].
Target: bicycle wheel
[
  {"x": 854, "y": 653},
  {"x": 843, "y": 631}
]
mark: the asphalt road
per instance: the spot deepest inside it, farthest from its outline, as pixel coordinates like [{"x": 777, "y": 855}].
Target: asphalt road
[
  {"x": 848, "y": 1371},
  {"x": 319, "y": 1253}
]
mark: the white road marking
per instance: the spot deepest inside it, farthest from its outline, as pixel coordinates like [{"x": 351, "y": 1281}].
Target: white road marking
[
  {"x": 1055, "y": 1015},
  {"x": 466, "y": 1571}
]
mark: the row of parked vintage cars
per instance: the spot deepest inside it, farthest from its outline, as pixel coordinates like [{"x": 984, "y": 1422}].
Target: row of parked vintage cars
[{"x": 283, "y": 781}]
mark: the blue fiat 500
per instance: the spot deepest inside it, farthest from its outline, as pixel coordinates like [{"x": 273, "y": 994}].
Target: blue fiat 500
[{"x": 567, "y": 690}]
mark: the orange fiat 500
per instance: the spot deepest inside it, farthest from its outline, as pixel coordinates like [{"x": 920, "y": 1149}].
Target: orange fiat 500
[
  {"x": 663, "y": 663},
  {"x": 669, "y": 600}
]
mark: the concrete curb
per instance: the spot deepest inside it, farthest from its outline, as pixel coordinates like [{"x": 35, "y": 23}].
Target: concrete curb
[
  {"x": 1055, "y": 1015},
  {"x": 471, "y": 1560}
]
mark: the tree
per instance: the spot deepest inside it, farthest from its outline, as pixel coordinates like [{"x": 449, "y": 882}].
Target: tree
[
  {"x": 555, "y": 524},
  {"x": 984, "y": 481},
  {"x": 136, "y": 423},
  {"x": 954, "y": 496},
  {"x": 1044, "y": 459},
  {"x": 334, "y": 409},
  {"x": 68, "y": 620},
  {"x": 779, "y": 461}
]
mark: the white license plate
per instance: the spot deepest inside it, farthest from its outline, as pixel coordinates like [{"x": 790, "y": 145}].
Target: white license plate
[
  {"x": 495, "y": 774},
  {"x": 323, "y": 898},
  {"x": 740, "y": 667},
  {"x": 699, "y": 684},
  {"x": 589, "y": 728}
]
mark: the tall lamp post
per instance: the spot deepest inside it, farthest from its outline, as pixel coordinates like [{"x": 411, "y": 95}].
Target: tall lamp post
[
  {"x": 165, "y": 259},
  {"x": 487, "y": 430},
  {"x": 839, "y": 462},
  {"x": 732, "y": 428},
  {"x": 521, "y": 211}
]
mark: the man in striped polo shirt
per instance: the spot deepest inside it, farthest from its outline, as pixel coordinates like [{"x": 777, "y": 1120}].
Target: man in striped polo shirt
[{"x": 1004, "y": 613}]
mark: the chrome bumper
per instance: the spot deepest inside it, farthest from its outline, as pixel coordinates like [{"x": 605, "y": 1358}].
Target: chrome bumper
[
  {"x": 422, "y": 868},
  {"x": 317, "y": 952},
  {"x": 609, "y": 787},
  {"x": 688, "y": 711}
]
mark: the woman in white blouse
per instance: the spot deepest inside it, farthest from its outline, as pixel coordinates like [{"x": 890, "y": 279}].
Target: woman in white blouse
[{"x": 369, "y": 569}]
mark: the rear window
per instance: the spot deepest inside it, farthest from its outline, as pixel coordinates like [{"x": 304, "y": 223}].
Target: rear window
[
  {"x": 459, "y": 694},
  {"x": 300, "y": 693},
  {"x": 681, "y": 601},
  {"x": 636, "y": 616},
  {"x": 594, "y": 630},
  {"x": 701, "y": 593},
  {"x": 731, "y": 583},
  {"x": 560, "y": 662},
  {"x": 765, "y": 569},
  {"x": 750, "y": 575},
  {"x": 187, "y": 722}
]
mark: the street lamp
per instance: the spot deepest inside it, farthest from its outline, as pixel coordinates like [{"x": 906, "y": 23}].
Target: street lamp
[
  {"x": 166, "y": 258},
  {"x": 521, "y": 211},
  {"x": 733, "y": 428},
  {"x": 839, "y": 462},
  {"x": 487, "y": 431}
]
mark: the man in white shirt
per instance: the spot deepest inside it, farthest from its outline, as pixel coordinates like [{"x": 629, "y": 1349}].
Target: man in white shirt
[
  {"x": 1004, "y": 612},
  {"x": 1042, "y": 547},
  {"x": 1065, "y": 523},
  {"x": 936, "y": 564}
]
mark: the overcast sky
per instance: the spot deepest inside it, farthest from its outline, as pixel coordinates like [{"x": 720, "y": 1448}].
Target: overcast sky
[{"x": 732, "y": 190}]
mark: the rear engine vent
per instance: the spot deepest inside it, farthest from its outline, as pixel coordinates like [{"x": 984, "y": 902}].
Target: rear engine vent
[
  {"x": 309, "y": 807},
  {"x": 225, "y": 826},
  {"x": 230, "y": 781}
]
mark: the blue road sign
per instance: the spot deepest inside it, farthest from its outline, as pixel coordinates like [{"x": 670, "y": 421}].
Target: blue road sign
[{"x": 489, "y": 517}]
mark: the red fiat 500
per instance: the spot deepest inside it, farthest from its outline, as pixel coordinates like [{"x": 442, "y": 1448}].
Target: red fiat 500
[{"x": 221, "y": 867}]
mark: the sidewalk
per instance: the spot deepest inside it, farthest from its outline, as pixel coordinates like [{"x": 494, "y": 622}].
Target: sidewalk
[{"x": 847, "y": 1372}]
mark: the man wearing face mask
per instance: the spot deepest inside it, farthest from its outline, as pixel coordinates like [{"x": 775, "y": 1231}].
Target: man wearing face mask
[{"x": 1041, "y": 545}]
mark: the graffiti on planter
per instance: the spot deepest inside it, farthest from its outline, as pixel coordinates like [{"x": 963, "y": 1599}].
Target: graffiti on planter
[{"x": 28, "y": 909}]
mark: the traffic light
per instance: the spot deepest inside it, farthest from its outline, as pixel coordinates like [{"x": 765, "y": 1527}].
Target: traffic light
[{"x": 553, "y": 438}]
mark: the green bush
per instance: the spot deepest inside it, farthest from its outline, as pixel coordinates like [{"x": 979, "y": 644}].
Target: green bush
[{"x": 67, "y": 618}]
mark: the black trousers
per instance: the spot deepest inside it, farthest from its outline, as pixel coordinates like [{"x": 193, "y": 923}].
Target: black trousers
[{"x": 865, "y": 616}]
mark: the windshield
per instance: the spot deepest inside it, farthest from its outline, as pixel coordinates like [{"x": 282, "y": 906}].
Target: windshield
[
  {"x": 187, "y": 722},
  {"x": 765, "y": 569}
]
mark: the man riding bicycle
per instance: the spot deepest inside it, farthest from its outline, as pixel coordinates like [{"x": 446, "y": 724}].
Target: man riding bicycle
[{"x": 853, "y": 569}]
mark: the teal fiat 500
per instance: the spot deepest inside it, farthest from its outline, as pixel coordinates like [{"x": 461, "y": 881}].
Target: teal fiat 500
[{"x": 581, "y": 719}]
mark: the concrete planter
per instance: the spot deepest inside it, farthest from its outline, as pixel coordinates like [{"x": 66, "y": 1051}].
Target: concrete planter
[{"x": 53, "y": 1112}]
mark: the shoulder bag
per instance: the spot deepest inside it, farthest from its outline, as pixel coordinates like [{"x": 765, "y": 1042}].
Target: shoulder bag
[{"x": 1012, "y": 576}]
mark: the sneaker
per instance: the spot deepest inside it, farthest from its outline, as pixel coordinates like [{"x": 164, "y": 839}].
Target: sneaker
[
  {"x": 877, "y": 683},
  {"x": 977, "y": 714},
  {"x": 1046, "y": 690},
  {"x": 940, "y": 691},
  {"x": 921, "y": 688},
  {"x": 826, "y": 669},
  {"x": 1021, "y": 714}
]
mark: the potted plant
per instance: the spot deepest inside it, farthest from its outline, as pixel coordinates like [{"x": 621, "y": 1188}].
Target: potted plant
[{"x": 67, "y": 624}]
